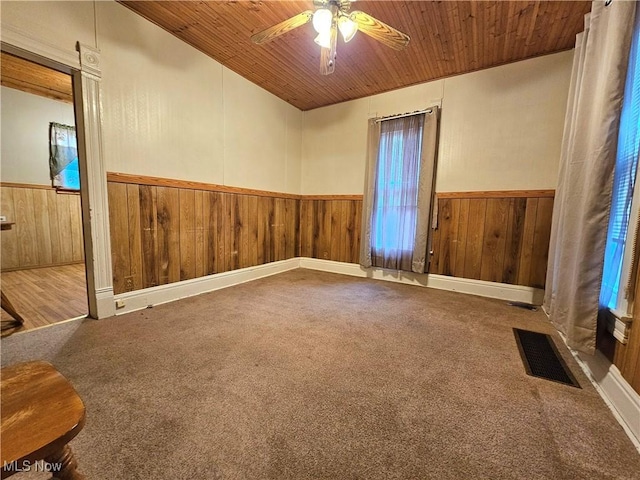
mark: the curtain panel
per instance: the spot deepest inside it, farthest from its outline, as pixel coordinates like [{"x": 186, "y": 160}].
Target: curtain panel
[
  {"x": 63, "y": 148},
  {"x": 397, "y": 213},
  {"x": 587, "y": 163}
]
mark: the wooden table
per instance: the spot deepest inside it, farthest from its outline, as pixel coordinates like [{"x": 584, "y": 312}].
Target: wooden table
[
  {"x": 41, "y": 412},
  {"x": 4, "y": 301}
]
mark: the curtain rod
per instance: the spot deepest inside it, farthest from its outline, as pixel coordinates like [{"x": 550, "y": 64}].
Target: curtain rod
[{"x": 401, "y": 115}]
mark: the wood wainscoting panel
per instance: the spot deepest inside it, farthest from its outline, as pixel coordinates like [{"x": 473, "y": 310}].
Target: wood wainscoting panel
[
  {"x": 162, "y": 234},
  {"x": 330, "y": 229},
  {"x": 497, "y": 239},
  {"x": 624, "y": 356},
  {"x": 627, "y": 356},
  {"x": 47, "y": 229}
]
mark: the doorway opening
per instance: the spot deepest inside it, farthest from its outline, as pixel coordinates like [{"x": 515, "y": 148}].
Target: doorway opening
[{"x": 42, "y": 259}]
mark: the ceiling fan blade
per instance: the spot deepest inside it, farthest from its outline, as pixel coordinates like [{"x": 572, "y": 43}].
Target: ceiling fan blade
[
  {"x": 328, "y": 55},
  {"x": 379, "y": 30},
  {"x": 282, "y": 27}
]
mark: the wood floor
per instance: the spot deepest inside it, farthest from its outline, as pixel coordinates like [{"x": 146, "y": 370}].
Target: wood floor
[{"x": 44, "y": 296}]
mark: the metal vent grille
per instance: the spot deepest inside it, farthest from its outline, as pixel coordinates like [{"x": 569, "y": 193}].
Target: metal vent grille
[{"x": 541, "y": 358}]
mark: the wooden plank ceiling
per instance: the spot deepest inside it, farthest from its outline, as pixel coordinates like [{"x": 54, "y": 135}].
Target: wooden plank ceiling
[
  {"x": 33, "y": 78},
  {"x": 447, "y": 38}
]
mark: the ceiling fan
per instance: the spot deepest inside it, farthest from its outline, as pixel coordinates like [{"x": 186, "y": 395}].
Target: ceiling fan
[{"x": 329, "y": 17}]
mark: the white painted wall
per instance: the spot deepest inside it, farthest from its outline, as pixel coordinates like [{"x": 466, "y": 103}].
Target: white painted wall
[
  {"x": 24, "y": 146},
  {"x": 169, "y": 110},
  {"x": 60, "y": 24},
  {"x": 501, "y": 129},
  {"x": 262, "y": 137}
]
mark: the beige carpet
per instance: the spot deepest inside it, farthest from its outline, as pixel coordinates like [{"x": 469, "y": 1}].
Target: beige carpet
[{"x": 316, "y": 375}]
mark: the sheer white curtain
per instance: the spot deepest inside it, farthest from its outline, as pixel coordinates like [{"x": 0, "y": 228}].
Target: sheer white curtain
[
  {"x": 398, "y": 192},
  {"x": 588, "y": 157}
]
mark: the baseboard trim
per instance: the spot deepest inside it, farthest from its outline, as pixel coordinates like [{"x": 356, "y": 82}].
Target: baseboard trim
[
  {"x": 623, "y": 401},
  {"x": 503, "y": 291},
  {"x": 132, "y": 301},
  {"x": 104, "y": 303}
]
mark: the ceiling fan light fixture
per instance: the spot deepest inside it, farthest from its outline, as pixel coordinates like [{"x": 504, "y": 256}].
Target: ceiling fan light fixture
[
  {"x": 322, "y": 19},
  {"x": 347, "y": 27},
  {"x": 324, "y": 39}
]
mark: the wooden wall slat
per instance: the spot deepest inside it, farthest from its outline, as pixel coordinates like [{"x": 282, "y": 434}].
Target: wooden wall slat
[
  {"x": 253, "y": 230},
  {"x": 296, "y": 228},
  {"x": 355, "y": 248},
  {"x": 221, "y": 262},
  {"x": 54, "y": 227},
  {"x": 475, "y": 238},
  {"x": 347, "y": 227},
  {"x": 335, "y": 239},
  {"x": 270, "y": 217},
  {"x": 495, "y": 232},
  {"x": 187, "y": 234},
  {"x": 316, "y": 219},
  {"x": 434, "y": 252},
  {"x": 65, "y": 228},
  {"x": 149, "y": 236},
  {"x": 279, "y": 219},
  {"x": 43, "y": 228},
  {"x": 306, "y": 228},
  {"x": 9, "y": 241},
  {"x": 243, "y": 250},
  {"x": 202, "y": 235},
  {"x": 135, "y": 238},
  {"x": 513, "y": 247},
  {"x": 75, "y": 213},
  {"x": 213, "y": 236},
  {"x": 447, "y": 218},
  {"x": 263, "y": 231},
  {"x": 119, "y": 226},
  {"x": 524, "y": 270},
  {"x": 168, "y": 211},
  {"x": 292, "y": 221},
  {"x": 25, "y": 227},
  {"x": 234, "y": 221},
  {"x": 326, "y": 232},
  {"x": 461, "y": 238},
  {"x": 342, "y": 222},
  {"x": 199, "y": 223}
]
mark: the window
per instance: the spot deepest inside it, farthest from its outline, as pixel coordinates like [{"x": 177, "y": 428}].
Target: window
[
  {"x": 396, "y": 200},
  {"x": 63, "y": 157},
  {"x": 396, "y": 207},
  {"x": 70, "y": 176},
  {"x": 624, "y": 204}
]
